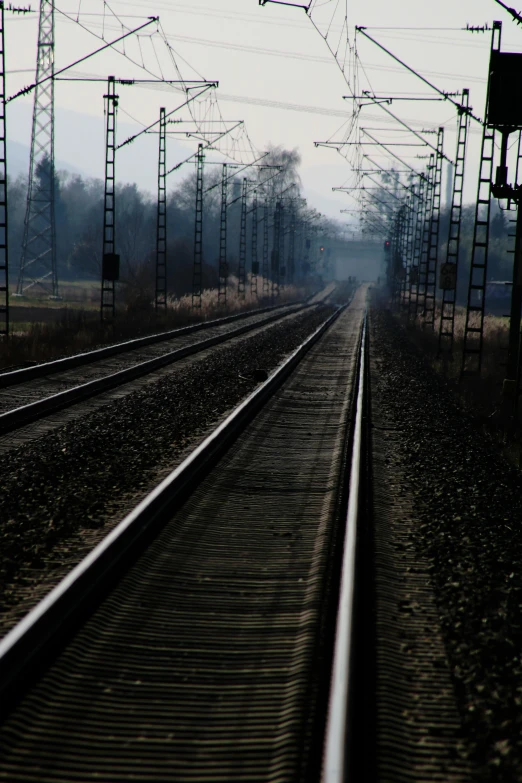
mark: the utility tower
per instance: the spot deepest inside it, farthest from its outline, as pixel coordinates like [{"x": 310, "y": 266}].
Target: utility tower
[
  {"x": 476, "y": 306},
  {"x": 241, "y": 276},
  {"x": 4, "y": 261},
  {"x": 223, "y": 266},
  {"x": 432, "y": 265},
  {"x": 266, "y": 273},
  {"x": 38, "y": 260},
  {"x": 417, "y": 248},
  {"x": 281, "y": 268},
  {"x": 276, "y": 246},
  {"x": 255, "y": 262},
  {"x": 420, "y": 302},
  {"x": 449, "y": 270},
  {"x": 198, "y": 232},
  {"x": 291, "y": 244},
  {"x": 161, "y": 225},
  {"x": 408, "y": 248},
  {"x": 305, "y": 269},
  {"x": 110, "y": 259}
]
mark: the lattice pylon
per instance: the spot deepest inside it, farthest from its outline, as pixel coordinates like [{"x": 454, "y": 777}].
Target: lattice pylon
[
  {"x": 476, "y": 302},
  {"x": 110, "y": 260},
  {"x": 475, "y": 311},
  {"x": 241, "y": 275},
  {"x": 223, "y": 265},
  {"x": 197, "y": 271},
  {"x": 291, "y": 246},
  {"x": 161, "y": 222},
  {"x": 433, "y": 250},
  {"x": 281, "y": 269},
  {"x": 266, "y": 272},
  {"x": 449, "y": 292},
  {"x": 38, "y": 259},
  {"x": 4, "y": 260},
  {"x": 426, "y": 233},
  {"x": 276, "y": 247},
  {"x": 408, "y": 248},
  {"x": 417, "y": 247},
  {"x": 255, "y": 262}
]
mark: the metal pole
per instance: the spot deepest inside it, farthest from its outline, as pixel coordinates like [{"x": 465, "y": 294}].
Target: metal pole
[
  {"x": 255, "y": 262},
  {"x": 198, "y": 232},
  {"x": 110, "y": 260},
  {"x": 516, "y": 305},
  {"x": 275, "y": 250},
  {"x": 241, "y": 277},
  {"x": 4, "y": 238},
  {"x": 266, "y": 287},
  {"x": 38, "y": 259},
  {"x": 223, "y": 267},
  {"x": 161, "y": 226}
]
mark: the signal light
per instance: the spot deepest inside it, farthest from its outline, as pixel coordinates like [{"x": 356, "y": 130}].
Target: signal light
[{"x": 387, "y": 245}]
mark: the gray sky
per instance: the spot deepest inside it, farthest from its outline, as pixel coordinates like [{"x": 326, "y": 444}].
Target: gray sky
[{"x": 269, "y": 54}]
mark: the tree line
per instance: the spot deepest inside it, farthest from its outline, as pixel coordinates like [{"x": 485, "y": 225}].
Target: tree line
[{"x": 79, "y": 204}]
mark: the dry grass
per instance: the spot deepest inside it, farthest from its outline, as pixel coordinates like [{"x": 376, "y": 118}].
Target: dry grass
[
  {"x": 75, "y": 330},
  {"x": 480, "y": 394}
]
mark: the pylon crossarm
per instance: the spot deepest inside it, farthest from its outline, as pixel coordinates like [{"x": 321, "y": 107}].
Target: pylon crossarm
[{"x": 39, "y": 82}]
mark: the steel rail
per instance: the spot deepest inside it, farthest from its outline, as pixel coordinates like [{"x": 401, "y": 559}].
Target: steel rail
[
  {"x": 25, "y": 374},
  {"x": 334, "y": 763},
  {"x": 28, "y": 643},
  {"x": 25, "y": 414}
]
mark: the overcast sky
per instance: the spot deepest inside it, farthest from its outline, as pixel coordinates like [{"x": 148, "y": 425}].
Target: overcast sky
[{"x": 273, "y": 56}]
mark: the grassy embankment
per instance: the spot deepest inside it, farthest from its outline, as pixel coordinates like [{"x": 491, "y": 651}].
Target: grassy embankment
[{"x": 42, "y": 329}]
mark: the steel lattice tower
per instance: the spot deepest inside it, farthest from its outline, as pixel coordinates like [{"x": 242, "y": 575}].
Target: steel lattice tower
[
  {"x": 38, "y": 260},
  {"x": 291, "y": 245},
  {"x": 420, "y": 303},
  {"x": 110, "y": 260},
  {"x": 4, "y": 265},
  {"x": 417, "y": 248},
  {"x": 255, "y": 262},
  {"x": 276, "y": 250},
  {"x": 266, "y": 273},
  {"x": 198, "y": 231},
  {"x": 433, "y": 252},
  {"x": 408, "y": 248},
  {"x": 161, "y": 225},
  {"x": 223, "y": 267},
  {"x": 305, "y": 269},
  {"x": 449, "y": 294},
  {"x": 241, "y": 277},
  {"x": 281, "y": 270}
]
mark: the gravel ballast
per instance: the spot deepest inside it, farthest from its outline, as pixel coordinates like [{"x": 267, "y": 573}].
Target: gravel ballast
[
  {"x": 468, "y": 514},
  {"x": 62, "y": 492}
]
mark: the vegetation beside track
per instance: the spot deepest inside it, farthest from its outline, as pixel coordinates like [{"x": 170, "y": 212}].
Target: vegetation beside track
[{"x": 74, "y": 330}]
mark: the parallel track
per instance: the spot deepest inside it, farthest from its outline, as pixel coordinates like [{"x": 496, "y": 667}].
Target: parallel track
[
  {"x": 195, "y": 642},
  {"x": 33, "y": 383},
  {"x": 18, "y": 376}
]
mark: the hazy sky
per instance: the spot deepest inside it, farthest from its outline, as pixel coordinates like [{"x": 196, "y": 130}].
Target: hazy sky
[{"x": 267, "y": 54}]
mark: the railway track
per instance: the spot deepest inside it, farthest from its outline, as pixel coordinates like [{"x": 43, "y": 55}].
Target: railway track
[
  {"x": 196, "y": 641},
  {"x": 48, "y": 388}
]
